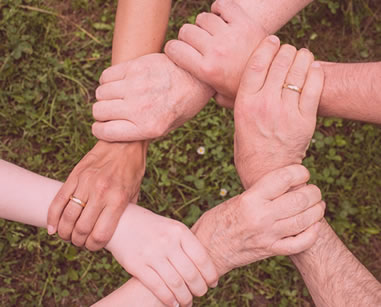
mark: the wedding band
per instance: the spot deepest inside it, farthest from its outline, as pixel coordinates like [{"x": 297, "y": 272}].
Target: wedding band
[
  {"x": 292, "y": 87},
  {"x": 77, "y": 201}
]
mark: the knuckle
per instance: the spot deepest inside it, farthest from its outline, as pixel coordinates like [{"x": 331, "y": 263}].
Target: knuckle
[
  {"x": 300, "y": 222},
  {"x": 184, "y": 31},
  {"x": 209, "y": 69},
  {"x": 176, "y": 282},
  {"x": 70, "y": 214},
  {"x": 299, "y": 199},
  {"x": 297, "y": 73},
  {"x": 315, "y": 190},
  {"x": 82, "y": 229},
  {"x": 285, "y": 176},
  {"x": 102, "y": 184},
  {"x": 257, "y": 64},
  {"x": 100, "y": 237}
]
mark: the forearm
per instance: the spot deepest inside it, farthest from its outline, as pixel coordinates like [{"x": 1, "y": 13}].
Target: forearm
[
  {"x": 334, "y": 276},
  {"x": 352, "y": 91},
  {"x": 140, "y": 28},
  {"x": 272, "y": 14}
]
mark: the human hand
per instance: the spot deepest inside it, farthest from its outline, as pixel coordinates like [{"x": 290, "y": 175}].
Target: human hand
[
  {"x": 106, "y": 179},
  {"x": 145, "y": 99},
  {"x": 164, "y": 255},
  {"x": 264, "y": 221},
  {"x": 274, "y": 125},
  {"x": 216, "y": 49}
]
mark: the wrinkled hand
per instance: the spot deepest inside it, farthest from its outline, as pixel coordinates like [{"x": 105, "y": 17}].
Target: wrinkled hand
[
  {"x": 164, "y": 255},
  {"x": 217, "y": 48},
  {"x": 274, "y": 125},
  {"x": 264, "y": 221},
  {"x": 106, "y": 179},
  {"x": 145, "y": 99}
]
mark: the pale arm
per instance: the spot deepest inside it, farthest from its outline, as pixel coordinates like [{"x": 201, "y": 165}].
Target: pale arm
[
  {"x": 352, "y": 91},
  {"x": 140, "y": 28},
  {"x": 334, "y": 276}
]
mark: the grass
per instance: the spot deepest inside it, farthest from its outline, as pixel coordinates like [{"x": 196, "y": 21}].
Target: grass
[{"x": 51, "y": 56}]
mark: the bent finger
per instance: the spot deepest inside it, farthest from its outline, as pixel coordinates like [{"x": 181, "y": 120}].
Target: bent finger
[
  {"x": 258, "y": 66},
  {"x": 109, "y": 110},
  {"x": 276, "y": 183},
  {"x": 59, "y": 203},
  {"x": 299, "y": 243},
  {"x": 118, "y": 131},
  {"x": 313, "y": 88},
  {"x": 188, "y": 271},
  {"x": 210, "y": 22},
  {"x": 86, "y": 222},
  {"x": 228, "y": 10},
  {"x": 173, "y": 281},
  {"x": 184, "y": 55},
  {"x": 296, "y": 201},
  {"x": 200, "y": 257},
  {"x": 195, "y": 36},
  {"x": 296, "y": 224},
  {"x": 114, "y": 73},
  {"x": 111, "y": 90}
]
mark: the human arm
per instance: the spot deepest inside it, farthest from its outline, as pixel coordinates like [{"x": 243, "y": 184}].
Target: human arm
[
  {"x": 109, "y": 176},
  {"x": 351, "y": 91},
  {"x": 140, "y": 28},
  {"x": 334, "y": 276}
]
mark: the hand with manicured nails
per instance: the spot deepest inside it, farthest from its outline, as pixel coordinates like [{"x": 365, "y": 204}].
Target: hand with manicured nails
[
  {"x": 106, "y": 179},
  {"x": 164, "y": 255},
  {"x": 264, "y": 221},
  {"x": 145, "y": 99},
  {"x": 216, "y": 49},
  {"x": 274, "y": 125}
]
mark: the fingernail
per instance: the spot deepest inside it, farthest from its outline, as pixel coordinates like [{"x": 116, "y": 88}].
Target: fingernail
[
  {"x": 316, "y": 64},
  {"x": 51, "y": 230},
  {"x": 215, "y": 284},
  {"x": 176, "y": 304},
  {"x": 274, "y": 39}
]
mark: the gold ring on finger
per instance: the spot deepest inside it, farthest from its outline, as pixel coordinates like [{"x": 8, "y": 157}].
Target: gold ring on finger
[
  {"x": 292, "y": 87},
  {"x": 77, "y": 201}
]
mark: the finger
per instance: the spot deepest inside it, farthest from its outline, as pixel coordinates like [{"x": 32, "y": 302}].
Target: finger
[
  {"x": 297, "y": 76},
  {"x": 174, "y": 282},
  {"x": 73, "y": 210},
  {"x": 295, "y": 202},
  {"x": 190, "y": 274},
  {"x": 59, "y": 203},
  {"x": 279, "y": 68},
  {"x": 296, "y": 224},
  {"x": 258, "y": 66},
  {"x": 105, "y": 225},
  {"x": 184, "y": 56},
  {"x": 299, "y": 243},
  {"x": 276, "y": 183},
  {"x": 111, "y": 90},
  {"x": 313, "y": 88},
  {"x": 85, "y": 224},
  {"x": 118, "y": 131},
  {"x": 200, "y": 257},
  {"x": 228, "y": 10},
  {"x": 114, "y": 73},
  {"x": 210, "y": 23},
  {"x": 109, "y": 110},
  {"x": 195, "y": 36},
  {"x": 153, "y": 282}
]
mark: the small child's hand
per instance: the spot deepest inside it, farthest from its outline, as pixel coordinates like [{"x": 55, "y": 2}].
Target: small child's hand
[
  {"x": 164, "y": 255},
  {"x": 216, "y": 49}
]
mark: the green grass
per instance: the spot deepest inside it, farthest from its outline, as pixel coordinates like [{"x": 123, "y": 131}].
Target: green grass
[{"x": 51, "y": 55}]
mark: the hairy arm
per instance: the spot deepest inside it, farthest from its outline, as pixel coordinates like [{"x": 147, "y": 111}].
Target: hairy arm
[
  {"x": 352, "y": 91},
  {"x": 333, "y": 274}
]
